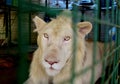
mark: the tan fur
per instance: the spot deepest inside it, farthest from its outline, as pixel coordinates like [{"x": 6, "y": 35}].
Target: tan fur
[{"x": 55, "y": 44}]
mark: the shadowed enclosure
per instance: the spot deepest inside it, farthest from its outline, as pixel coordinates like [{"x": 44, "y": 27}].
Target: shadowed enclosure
[{"x": 18, "y": 41}]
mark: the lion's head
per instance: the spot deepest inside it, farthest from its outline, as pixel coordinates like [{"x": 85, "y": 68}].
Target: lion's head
[{"x": 55, "y": 42}]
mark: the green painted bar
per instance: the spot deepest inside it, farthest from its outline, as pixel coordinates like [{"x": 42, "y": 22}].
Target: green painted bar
[{"x": 23, "y": 36}]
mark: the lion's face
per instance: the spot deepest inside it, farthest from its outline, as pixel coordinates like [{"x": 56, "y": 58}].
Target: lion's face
[{"x": 55, "y": 40}]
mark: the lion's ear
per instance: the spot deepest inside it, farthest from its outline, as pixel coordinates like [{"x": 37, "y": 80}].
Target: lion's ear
[
  {"x": 39, "y": 23},
  {"x": 84, "y": 28}
]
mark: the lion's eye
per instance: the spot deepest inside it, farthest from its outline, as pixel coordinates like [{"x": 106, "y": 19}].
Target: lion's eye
[
  {"x": 66, "y": 38},
  {"x": 46, "y": 35}
]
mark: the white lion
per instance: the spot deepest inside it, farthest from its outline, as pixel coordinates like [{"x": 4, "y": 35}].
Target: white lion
[{"x": 53, "y": 58}]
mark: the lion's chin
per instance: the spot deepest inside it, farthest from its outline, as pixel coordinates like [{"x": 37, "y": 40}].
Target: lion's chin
[{"x": 52, "y": 71}]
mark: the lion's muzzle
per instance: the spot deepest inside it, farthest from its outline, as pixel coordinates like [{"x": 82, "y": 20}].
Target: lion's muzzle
[{"x": 51, "y": 58}]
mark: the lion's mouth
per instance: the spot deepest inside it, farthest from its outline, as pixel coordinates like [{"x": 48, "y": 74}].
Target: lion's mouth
[
  {"x": 52, "y": 71},
  {"x": 51, "y": 68}
]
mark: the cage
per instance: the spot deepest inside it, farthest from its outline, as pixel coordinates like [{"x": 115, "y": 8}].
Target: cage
[{"x": 18, "y": 41}]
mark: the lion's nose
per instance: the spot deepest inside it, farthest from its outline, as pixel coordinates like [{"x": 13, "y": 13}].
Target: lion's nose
[{"x": 51, "y": 62}]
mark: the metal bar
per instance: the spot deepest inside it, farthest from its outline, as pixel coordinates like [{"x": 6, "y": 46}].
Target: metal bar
[
  {"x": 95, "y": 38},
  {"x": 23, "y": 41},
  {"x": 74, "y": 21}
]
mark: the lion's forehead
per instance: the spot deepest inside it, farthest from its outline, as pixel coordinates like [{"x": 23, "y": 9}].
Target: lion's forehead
[{"x": 58, "y": 28}]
